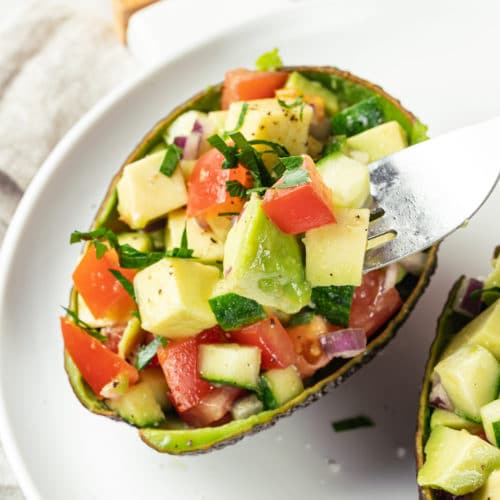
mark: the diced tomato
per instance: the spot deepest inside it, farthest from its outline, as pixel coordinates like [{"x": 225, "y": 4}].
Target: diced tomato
[
  {"x": 245, "y": 85},
  {"x": 273, "y": 340},
  {"x": 101, "y": 291},
  {"x": 305, "y": 338},
  {"x": 114, "y": 334},
  {"x": 179, "y": 361},
  {"x": 207, "y": 193},
  {"x": 98, "y": 365},
  {"x": 372, "y": 306},
  {"x": 213, "y": 407},
  {"x": 297, "y": 209}
]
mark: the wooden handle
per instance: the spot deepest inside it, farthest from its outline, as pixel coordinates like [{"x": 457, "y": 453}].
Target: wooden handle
[{"x": 122, "y": 10}]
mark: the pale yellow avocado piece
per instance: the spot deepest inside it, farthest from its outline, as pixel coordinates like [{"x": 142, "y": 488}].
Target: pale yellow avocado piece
[
  {"x": 335, "y": 253},
  {"x": 380, "y": 141},
  {"x": 87, "y": 317},
  {"x": 266, "y": 119},
  {"x": 172, "y": 296},
  {"x": 187, "y": 167},
  {"x": 145, "y": 194},
  {"x": 218, "y": 119},
  {"x": 203, "y": 241},
  {"x": 483, "y": 330},
  {"x": 453, "y": 421},
  {"x": 490, "y": 489},
  {"x": 220, "y": 225}
]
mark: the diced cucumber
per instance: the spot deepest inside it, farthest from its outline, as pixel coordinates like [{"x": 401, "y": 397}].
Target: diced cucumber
[
  {"x": 131, "y": 337},
  {"x": 380, "y": 141},
  {"x": 456, "y": 461},
  {"x": 231, "y": 364},
  {"x": 220, "y": 225},
  {"x": 155, "y": 378},
  {"x": 490, "y": 415},
  {"x": 452, "y": 420},
  {"x": 311, "y": 88},
  {"x": 470, "y": 377},
  {"x": 335, "y": 253},
  {"x": 136, "y": 239},
  {"x": 279, "y": 386},
  {"x": 233, "y": 311},
  {"x": 334, "y": 303},
  {"x": 359, "y": 117},
  {"x": 138, "y": 406},
  {"x": 246, "y": 407},
  {"x": 348, "y": 179}
]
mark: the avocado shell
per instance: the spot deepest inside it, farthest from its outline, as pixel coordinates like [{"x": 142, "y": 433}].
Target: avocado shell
[
  {"x": 169, "y": 437},
  {"x": 449, "y": 323}
]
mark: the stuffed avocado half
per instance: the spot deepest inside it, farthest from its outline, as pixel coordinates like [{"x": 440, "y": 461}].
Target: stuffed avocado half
[
  {"x": 458, "y": 435},
  {"x": 221, "y": 285}
]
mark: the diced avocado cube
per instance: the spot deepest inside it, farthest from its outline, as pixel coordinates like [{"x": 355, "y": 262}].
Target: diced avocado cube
[
  {"x": 490, "y": 489},
  {"x": 205, "y": 244},
  {"x": 218, "y": 119},
  {"x": 132, "y": 336},
  {"x": 359, "y": 117},
  {"x": 136, "y": 239},
  {"x": 266, "y": 119},
  {"x": 145, "y": 194},
  {"x": 246, "y": 407},
  {"x": 138, "y": 406},
  {"x": 155, "y": 378},
  {"x": 219, "y": 224},
  {"x": 470, "y": 377},
  {"x": 311, "y": 88},
  {"x": 86, "y": 316},
  {"x": 482, "y": 330},
  {"x": 335, "y": 253},
  {"x": 348, "y": 179},
  {"x": 493, "y": 280},
  {"x": 452, "y": 420},
  {"x": 279, "y": 386},
  {"x": 187, "y": 167},
  {"x": 457, "y": 461},
  {"x": 490, "y": 415},
  {"x": 172, "y": 296},
  {"x": 231, "y": 364},
  {"x": 380, "y": 141},
  {"x": 263, "y": 263}
]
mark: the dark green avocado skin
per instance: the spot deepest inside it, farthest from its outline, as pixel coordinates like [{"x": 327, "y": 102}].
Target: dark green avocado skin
[{"x": 173, "y": 437}]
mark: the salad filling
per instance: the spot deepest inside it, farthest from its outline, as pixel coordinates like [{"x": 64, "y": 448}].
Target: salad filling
[
  {"x": 225, "y": 274},
  {"x": 459, "y": 418}
]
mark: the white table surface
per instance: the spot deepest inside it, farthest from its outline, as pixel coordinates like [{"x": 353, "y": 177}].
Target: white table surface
[{"x": 102, "y": 8}]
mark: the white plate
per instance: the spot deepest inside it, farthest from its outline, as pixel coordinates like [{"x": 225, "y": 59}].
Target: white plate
[{"x": 440, "y": 58}]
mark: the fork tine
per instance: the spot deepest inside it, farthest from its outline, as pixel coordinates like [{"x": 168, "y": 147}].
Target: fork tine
[{"x": 381, "y": 255}]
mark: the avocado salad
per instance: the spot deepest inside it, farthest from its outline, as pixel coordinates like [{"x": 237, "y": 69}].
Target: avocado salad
[
  {"x": 458, "y": 436},
  {"x": 221, "y": 285}
]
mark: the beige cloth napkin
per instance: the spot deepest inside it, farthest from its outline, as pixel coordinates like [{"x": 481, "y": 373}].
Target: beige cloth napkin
[{"x": 55, "y": 63}]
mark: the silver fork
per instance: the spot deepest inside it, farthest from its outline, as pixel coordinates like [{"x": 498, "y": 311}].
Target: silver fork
[{"x": 427, "y": 191}]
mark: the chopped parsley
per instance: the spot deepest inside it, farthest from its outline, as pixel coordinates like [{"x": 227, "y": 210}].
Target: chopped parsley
[
  {"x": 349, "y": 424},
  {"x": 269, "y": 61},
  {"x": 96, "y": 238},
  {"x": 173, "y": 155},
  {"x": 292, "y": 162},
  {"x": 124, "y": 282},
  {"x": 299, "y": 102},
  {"x": 93, "y": 332},
  {"x": 236, "y": 188},
  {"x": 241, "y": 119},
  {"x": 147, "y": 352},
  {"x": 293, "y": 178}
]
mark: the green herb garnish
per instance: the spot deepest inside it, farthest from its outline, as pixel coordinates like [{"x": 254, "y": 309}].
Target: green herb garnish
[
  {"x": 222, "y": 214},
  {"x": 229, "y": 152},
  {"x": 349, "y": 424},
  {"x": 269, "y": 61},
  {"x": 147, "y": 353},
  {"x": 295, "y": 104},
  {"x": 96, "y": 238},
  {"x": 236, "y": 188},
  {"x": 124, "y": 282},
  {"x": 93, "y": 332},
  {"x": 239, "y": 122},
  {"x": 292, "y": 162},
  {"x": 173, "y": 155},
  {"x": 301, "y": 318},
  {"x": 293, "y": 178},
  {"x": 335, "y": 146},
  {"x": 275, "y": 147}
]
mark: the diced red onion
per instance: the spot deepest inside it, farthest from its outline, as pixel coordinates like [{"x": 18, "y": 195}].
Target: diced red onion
[
  {"x": 180, "y": 141},
  {"x": 391, "y": 276},
  {"x": 439, "y": 397},
  {"x": 464, "y": 303},
  {"x": 414, "y": 263},
  {"x": 345, "y": 343},
  {"x": 197, "y": 127}
]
